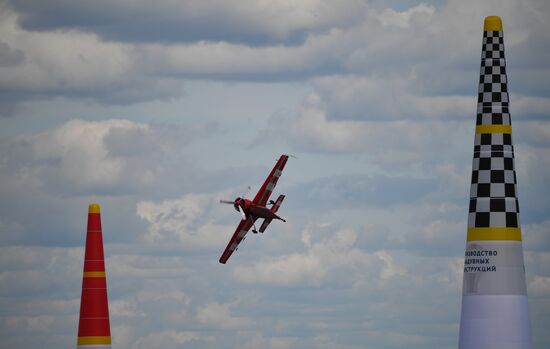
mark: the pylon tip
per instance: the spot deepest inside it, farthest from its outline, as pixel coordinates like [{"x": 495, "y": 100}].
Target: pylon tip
[
  {"x": 94, "y": 208},
  {"x": 493, "y": 23}
]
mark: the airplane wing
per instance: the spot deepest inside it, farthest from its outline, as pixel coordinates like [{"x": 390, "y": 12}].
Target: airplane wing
[
  {"x": 271, "y": 181},
  {"x": 238, "y": 236}
]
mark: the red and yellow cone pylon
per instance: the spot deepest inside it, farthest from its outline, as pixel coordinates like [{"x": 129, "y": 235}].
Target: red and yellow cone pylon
[{"x": 93, "y": 328}]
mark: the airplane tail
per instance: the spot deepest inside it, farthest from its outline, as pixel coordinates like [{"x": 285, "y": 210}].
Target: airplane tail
[
  {"x": 274, "y": 209},
  {"x": 277, "y": 203}
]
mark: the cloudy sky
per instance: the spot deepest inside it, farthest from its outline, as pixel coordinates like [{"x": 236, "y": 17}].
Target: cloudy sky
[{"x": 157, "y": 112}]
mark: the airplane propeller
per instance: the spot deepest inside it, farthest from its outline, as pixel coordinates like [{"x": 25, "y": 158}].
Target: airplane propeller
[
  {"x": 242, "y": 212},
  {"x": 238, "y": 207}
]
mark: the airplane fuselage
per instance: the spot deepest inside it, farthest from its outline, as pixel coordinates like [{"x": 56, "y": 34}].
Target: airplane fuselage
[{"x": 255, "y": 211}]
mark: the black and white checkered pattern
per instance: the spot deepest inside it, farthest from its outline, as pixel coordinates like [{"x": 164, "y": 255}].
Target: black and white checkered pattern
[
  {"x": 492, "y": 78},
  {"x": 493, "y": 194},
  {"x": 493, "y": 114},
  {"x": 493, "y": 198},
  {"x": 493, "y": 45}
]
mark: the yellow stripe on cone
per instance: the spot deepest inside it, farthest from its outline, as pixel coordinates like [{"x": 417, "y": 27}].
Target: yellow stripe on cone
[
  {"x": 494, "y": 129},
  {"x": 490, "y": 234},
  {"x": 94, "y": 274},
  {"x": 94, "y": 340}
]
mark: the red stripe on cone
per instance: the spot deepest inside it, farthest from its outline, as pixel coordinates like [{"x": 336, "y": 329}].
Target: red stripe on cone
[
  {"x": 94, "y": 308},
  {"x": 94, "y": 265}
]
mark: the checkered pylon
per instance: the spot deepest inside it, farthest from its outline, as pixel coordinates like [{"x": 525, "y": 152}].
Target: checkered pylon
[
  {"x": 493, "y": 194},
  {"x": 495, "y": 312}
]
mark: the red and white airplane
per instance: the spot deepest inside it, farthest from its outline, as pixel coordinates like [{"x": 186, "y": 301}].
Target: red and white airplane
[{"x": 257, "y": 208}]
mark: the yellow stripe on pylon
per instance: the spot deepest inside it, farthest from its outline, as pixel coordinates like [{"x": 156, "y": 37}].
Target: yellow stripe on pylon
[
  {"x": 491, "y": 234},
  {"x": 91, "y": 340},
  {"x": 94, "y": 274},
  {"x": 494, "y": 129}
]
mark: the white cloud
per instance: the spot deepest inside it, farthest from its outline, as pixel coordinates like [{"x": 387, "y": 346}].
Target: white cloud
[
  {"x": 28, "y": 269},
  {"x": 190, "y": 220},
  {"x": 34, "y": 324},
  {"x": 389, "y": 97},
  {"x": 76, "y": 64},
  {"x": 530, "y": 105},
  {"x": 177, "y": 296},
  {"x": 138, "y": 266},
  {"x": 532, "y": 163},
  {"x": 257, "y": 340},
  {"x": 49, "y": 64},
  {"x": 391, "y": 17},
  {"x": 321, "y": 261},
  {"x": 312, "y": 129},
  {"x": 166, "y": 339},
  {"x": 219, "y": 315},
  {"x": 352, "y": 37},
  {"x": 74, "y": 155},
  {"x": 84, "y": 158},
  {"x": 124, "y": 308},
  {"x": 536, "y": 237},
  {"x": 80, "y": 156},
  {"x": 122, "y": 334},
  {"x": 540, "y": 286},
  {"x": 392, "y": 145},
  {"x": 247, "y": 21}
]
